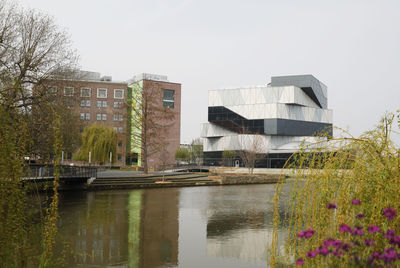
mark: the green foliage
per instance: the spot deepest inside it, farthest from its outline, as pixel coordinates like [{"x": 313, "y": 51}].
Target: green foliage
[
  {"x": 228, "y": 154},
  {"x": 196, "y": 151},
  {"x": 365, "y": 168},
  {"x": 13, "y": 228},
  {"x": 182, "y": 154},
  {"x": 100, "y": 141},
  {"x": 227, "y": 157}
]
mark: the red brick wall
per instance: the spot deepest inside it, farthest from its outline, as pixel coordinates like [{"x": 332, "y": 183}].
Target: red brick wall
[{"x": 173, "y": 134}]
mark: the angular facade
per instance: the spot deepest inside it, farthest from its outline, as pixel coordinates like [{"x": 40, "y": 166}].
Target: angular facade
[{"x": 280, "y": 116}]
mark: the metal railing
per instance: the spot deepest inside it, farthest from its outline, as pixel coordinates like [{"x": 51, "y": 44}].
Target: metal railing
[{"x": 66, "y": 172}]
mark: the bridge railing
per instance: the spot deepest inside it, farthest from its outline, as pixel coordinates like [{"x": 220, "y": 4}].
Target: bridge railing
[{"x": 66, "y": 172}]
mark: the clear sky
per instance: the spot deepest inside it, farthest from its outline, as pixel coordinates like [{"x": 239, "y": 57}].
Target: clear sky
[{"x": 352, "y": 46}]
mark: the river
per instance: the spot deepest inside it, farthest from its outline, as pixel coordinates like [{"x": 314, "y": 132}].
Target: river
[{"x": 217, "y": 226}]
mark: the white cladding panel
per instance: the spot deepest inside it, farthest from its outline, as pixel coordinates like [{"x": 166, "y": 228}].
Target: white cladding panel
[
  {"x": 212, "y": 130},
  {"x": 259, "y": 95},
  {"x": 283, "y": 111},
  {"x": 267, "y": 143}
]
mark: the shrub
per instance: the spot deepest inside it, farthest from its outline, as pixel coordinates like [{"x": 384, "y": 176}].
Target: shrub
[{"x": 331, "y": 179}]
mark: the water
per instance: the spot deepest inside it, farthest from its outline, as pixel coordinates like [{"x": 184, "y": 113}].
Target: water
[{"x": 227, "y": 226}]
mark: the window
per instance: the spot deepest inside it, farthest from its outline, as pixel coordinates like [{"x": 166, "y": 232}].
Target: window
[
  {"x": 120, "y": 117},
  {"x": 99, "y": 104},
  {"x": 87, "y": 103},
  {"x": 83, "y": 103},
  {"x": 53, "y": 90},
  {"x": 120, "y": 130},
  {"x": 98, "y": 117},
  {"x": 87, "y": 116},
  {"x": 118, "y": 104},
  {"x": 119, "y": 143},
  {"x": 104, "y": 117},
  {"x": 82, "y": 116},
  {"x": 85, "y": 92},
  {"x": 101, "y": 93},
  {"x": 168, "y": 100},
  {"x": 115, "y": 129},
  {"x": 118, "y": 93},
  {"x": 115, "y": 117},
  {"x": 119, "y": 157},
  {"x": 104, "y": 104},
  {"x": 69, "y": 91}
]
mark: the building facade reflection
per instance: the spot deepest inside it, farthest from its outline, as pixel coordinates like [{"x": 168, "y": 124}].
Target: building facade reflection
[{"x": 136, "y": 228}]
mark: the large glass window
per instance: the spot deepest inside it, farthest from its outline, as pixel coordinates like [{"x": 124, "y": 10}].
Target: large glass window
[
  {"x": 104, "y": 117},
  {"x": 168, "y": 99},
  {"x": 104, "y": 104},
  {"x": 83, "y": 103},
  {"x": 87, "y": 103},
  {"x": 98, "y": 104},
  {"x": 87, "y": 116},
  {"x": 98, "y": 117}
]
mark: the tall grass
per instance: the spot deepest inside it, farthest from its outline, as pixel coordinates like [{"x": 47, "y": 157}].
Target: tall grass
[{"x": 336, "y": 172}]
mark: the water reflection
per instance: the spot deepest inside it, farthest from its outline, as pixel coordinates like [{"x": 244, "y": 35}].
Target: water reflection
[
  {"x": 240, "y": 223},
  {"x": 176, "y": 227},
  {"x": 132, "y": 229}
]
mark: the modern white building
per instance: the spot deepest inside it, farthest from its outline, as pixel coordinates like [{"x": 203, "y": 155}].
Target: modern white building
[{"x": 278, "y": 117}]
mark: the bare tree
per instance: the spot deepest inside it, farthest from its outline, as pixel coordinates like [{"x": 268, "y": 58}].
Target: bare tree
[
  {"x": 32, "y": 50},
  {"x": 150, "y": 121},
  {"x": 196, "y": 151},
  {"x": 252, "y": 150}
]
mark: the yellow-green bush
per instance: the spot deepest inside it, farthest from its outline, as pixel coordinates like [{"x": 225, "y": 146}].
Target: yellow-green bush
[{"x": 365, "y": 168}]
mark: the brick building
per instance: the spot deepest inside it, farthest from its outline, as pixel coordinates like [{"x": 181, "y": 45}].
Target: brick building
[
  {"x": 99, "y": 100},
  {"x": 166, "y": 95}
]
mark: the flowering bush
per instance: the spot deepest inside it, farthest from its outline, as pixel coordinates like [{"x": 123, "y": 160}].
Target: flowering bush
[
  {"x": 386, "y": 254},
  {"x": 346, "y": 188}
]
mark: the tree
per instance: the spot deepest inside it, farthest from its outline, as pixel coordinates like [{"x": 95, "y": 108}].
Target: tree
[
  {"x": 196, "y": 151},
  {"x": 150, "y": 121},
  {"x": 99, "y": 141},
  {"x": 32, "y": 50},
  {"x": 182, "y": 154},
  {"x": 252, "y": 150},
  {"x": 227, "y": 157}
]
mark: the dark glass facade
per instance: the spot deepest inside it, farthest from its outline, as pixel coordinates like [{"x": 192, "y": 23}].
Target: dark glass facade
[{"x": 225, "y": 118}]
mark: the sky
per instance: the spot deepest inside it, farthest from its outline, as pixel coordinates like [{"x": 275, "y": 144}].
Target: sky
[{"x": 352, "y": 46}]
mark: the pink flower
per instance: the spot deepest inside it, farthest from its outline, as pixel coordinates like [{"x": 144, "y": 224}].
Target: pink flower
[
  {"x": 299, "y": 262},
  {"x": 331, "y": 206},
  {"x": 390, "y": 234},
  {"x": 357, "y": 231},
  {"x": 311, "y": 254},
  {"x": 374, "y": 229},
  {"x": 356, "y": 202},
  {"x": 369, "y": 243},
  {"x": 306, "y": 234},
  {"x": 389, "y": 212},
  {"x": 360, "y": 215},
  {"x": 344, "y": 228}
]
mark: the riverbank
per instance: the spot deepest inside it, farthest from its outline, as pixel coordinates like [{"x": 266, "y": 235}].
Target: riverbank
[
  {"x": 114, "y": 180},
  {"x": 111, "y": 179}
]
